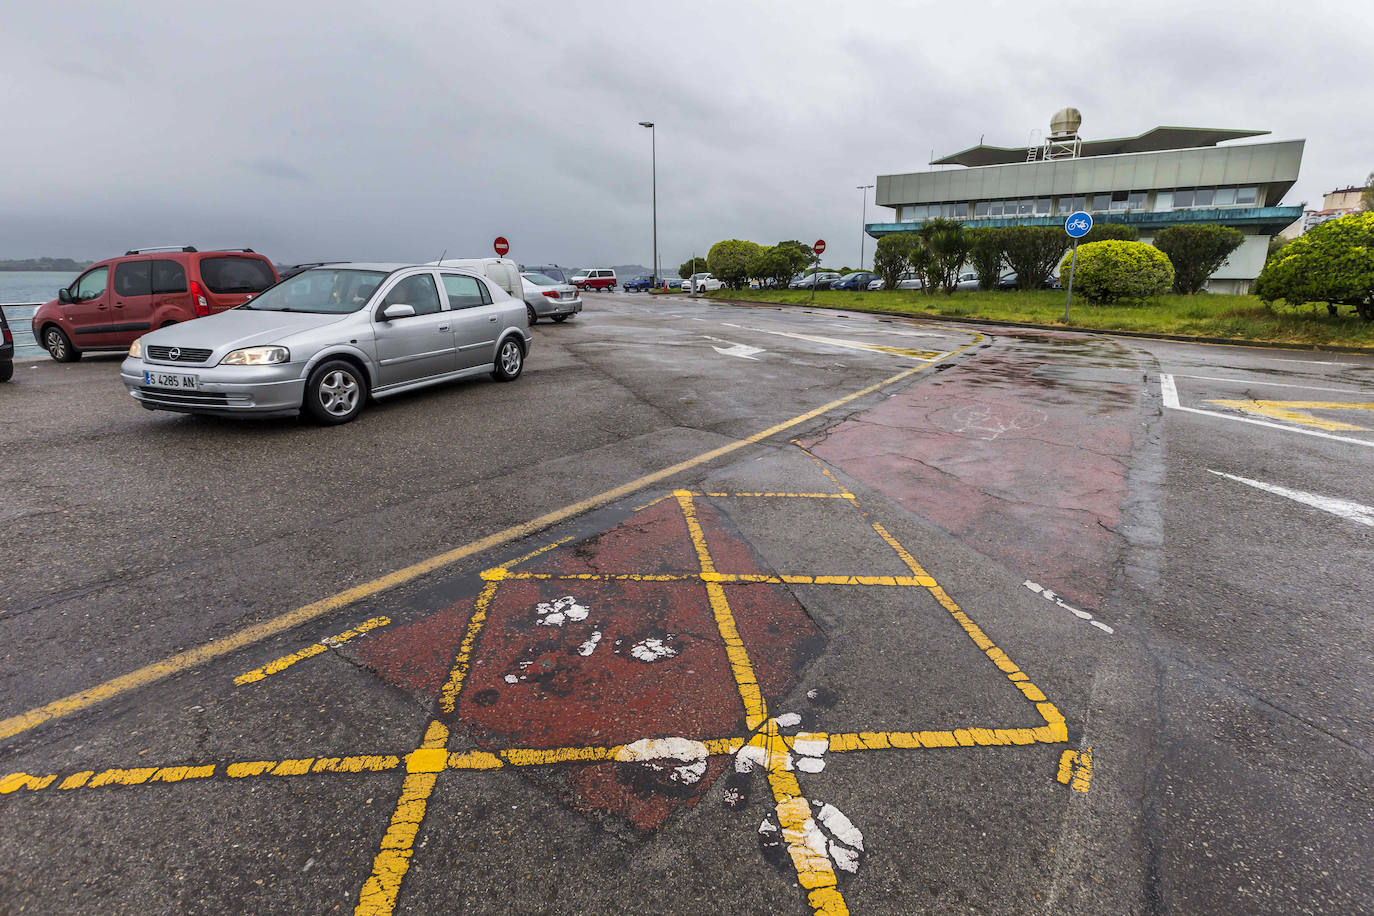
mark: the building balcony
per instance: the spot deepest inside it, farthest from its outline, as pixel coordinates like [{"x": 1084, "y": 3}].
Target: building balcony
[{"x": 1264, "y": 220}]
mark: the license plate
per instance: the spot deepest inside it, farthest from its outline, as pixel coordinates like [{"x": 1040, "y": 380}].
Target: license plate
[{"x": 170, "y": 380}]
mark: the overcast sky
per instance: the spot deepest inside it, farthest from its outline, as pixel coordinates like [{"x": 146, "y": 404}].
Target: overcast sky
[{"x": 396, "y": 130}]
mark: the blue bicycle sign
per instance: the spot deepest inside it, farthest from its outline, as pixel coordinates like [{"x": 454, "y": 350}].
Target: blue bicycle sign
[{"x": 1078, "y": 224}]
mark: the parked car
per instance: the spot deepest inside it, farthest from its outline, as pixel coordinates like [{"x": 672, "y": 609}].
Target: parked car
[
  {"x": 545, "y": 297},
  {"x": 859, "y": 280},
  {"x": 910, "y": 281},
  {"x": 967, "y": 281},
  {"x": 116, "y": 300},
  {"x": 329, "y": 338},
  {"x": 6, "y": 349},
  {"x": 702, "y": 282},
  {"x": 599, "y": 278},
  {"x": 551, "y": 271},
  {"x": 287, "y": 272},
  {"x": 877, "y": 284},
  {"x": 504, "y": 272},
  {"x": 673, "y": 282},
  {"x": 819, "y": 280},
  {"x": 641, "y": 283}
]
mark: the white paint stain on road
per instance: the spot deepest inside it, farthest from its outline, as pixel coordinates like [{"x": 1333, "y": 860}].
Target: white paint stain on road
[
  {"x": 1350, "y": 511},
  {"x": 675, "y": 761},
  {"x": 652, "y": 649},
  {"x": 560, "y": 611},
  {"x": 1049, "y": 595}
]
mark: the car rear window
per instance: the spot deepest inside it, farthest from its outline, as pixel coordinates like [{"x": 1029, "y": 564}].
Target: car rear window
[
  {"x": 236, "y": 275},
  {"x": 168, "y": 277}
]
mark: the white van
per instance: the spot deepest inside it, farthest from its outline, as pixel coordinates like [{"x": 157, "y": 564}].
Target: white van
[{"x": 504, "y": 272}]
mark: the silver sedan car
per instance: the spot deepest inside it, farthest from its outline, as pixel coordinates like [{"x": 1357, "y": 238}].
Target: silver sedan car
[
  {"x": 326, "y": 339},
  {"x": 546, "y": 297}
]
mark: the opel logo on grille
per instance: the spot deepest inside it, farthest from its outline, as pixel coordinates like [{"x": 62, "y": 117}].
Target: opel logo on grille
[{"x": 174, "y": 353}]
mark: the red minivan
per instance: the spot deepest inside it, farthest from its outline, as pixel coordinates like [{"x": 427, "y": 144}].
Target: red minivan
[{"x": 118, "y": 300}]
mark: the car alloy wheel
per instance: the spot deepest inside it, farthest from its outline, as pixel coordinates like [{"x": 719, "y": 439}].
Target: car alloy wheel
[
  {"x": 339, "y": 393},
  {"x": 510, "y": 361}
]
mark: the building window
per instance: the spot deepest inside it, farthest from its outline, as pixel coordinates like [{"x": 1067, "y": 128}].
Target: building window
[
  {"x": 981, "y": 208},
  {"x": 961, "y": 210},
  {"x": 994, "y": 208},
  {"x": 1183, "y": 198},
  {"x": 1247, "y": 196},
  {"x": 1042, "y": 206},
  {"x": 1135, "y": 200},
  {"x": 1164, "y": 200},
  {"x": 1025, "y": 207},
  {"x": 1202, "y": 197},
  {"x": 1102, "y": 202},
  {"x": 1119, "y": 200},
  {"x": 1226, "y": 197}
]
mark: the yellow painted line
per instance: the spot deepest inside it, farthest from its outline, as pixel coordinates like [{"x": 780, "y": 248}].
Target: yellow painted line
[
  {"x": 1076, "y": 769},
  {"x": 728, "y": 578},
  {"x": 448, "y": 698},
  {"x": 689, "y": 513},
  {"x": 1296, "y": 412},
  {"x": 378, "y": 895},
  {"x": 182, "y": 661},
  {"x": 815, "y": 873},
  {"x": 603, "y": 577},
  {"x": 777, "y": 495},
  {"x": 843, "y": 491},
  {"x": 244, "y": 769},
  {"x": 329, "y": 642},
  {"x": 534, "y": 553}
]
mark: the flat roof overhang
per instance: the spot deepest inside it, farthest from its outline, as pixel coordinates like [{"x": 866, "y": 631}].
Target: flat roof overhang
[{"x": 1152, "y": 141}]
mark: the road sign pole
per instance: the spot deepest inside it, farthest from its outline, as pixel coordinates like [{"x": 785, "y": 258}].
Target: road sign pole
[
  {"x": 1073, "y": 263},
  {"x": 815, "y": 278}
]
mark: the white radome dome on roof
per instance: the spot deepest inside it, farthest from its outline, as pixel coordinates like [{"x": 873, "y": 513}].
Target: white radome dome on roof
[{"x": 1066, "y": 121}]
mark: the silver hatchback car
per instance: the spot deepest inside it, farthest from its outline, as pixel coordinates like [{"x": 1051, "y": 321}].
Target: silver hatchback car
[{"x": 326, "y": 339}]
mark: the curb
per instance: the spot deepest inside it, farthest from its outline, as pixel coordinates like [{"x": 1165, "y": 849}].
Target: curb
[{"x": 993, "y": 322}]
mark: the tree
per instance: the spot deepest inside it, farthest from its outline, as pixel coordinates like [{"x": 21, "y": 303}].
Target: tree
[
  {"x": 1197, "y": 252},
  {"x": 892, "y": 257},
  {"x": 728, "y": 260},
  {"x": 1332, "y": 263},
  {"x": 1367, "y": 197},
  {"x": 1033, "y": 252},
  {"x": 949, "y": 244},
  {"x": 1116, "y": 269},
  {"x": 798, "y": 255},
  {"x": 771, "y": 267},
  {"x": 986, "y": 256},
  {"x": 1107, "y": 232},
  {"x": 922, "y": 264},
  {"x": 691, "y": 266}
]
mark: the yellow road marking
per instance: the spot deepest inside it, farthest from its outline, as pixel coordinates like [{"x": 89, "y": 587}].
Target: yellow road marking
[
  {"x": 724, "y": 578},
  {"x": 310, "y": 651},
  {"x": 449, "y": 696},
  {"x": 1076, "y": 769},
  {"x": 776, "y": 495},
  {"x": 182, "y": 661},
  {"x": 843, "y": 491},
  {"x": 1296, "y": 411},
  {"x": 534, "y": 553},
  {"x": 378, "y": 896}
]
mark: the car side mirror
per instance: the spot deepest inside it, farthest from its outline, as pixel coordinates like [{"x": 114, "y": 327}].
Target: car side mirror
[
  {"x": 398, "y": 310},
  {"x": 64, "y": 295}
]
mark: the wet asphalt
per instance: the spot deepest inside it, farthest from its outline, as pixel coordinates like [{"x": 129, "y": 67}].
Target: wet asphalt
[{"x": 1226, "y": 713}]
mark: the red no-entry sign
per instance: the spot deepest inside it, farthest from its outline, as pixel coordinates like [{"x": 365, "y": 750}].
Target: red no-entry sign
[
  {"x": 819, "y": 247},
  {"x": 501, "y": 245}
]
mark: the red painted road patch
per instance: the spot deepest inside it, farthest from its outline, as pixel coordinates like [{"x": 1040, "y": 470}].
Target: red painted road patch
[{"x": 596, "y": 662}]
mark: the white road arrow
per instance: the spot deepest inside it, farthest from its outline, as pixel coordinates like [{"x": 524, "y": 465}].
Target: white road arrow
[
  {"x": 1355, "y": 512},
  {"x": 740, "y": 350}
]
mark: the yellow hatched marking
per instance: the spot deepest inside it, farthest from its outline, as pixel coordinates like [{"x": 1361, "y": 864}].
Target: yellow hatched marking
[
  {"x": 778, "y": 495},
  {"x": 1296, "y": 411},
  {"x": 378, "y": 896},
  {"x": 1076, "y": 769},
  {"x": 449, "y": 697},
  {"x": 329, "y": 642},
  {"x": 689, "y": 513}
]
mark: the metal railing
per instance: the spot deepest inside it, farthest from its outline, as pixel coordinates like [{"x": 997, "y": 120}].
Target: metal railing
[{"x": 17, "y": 315}]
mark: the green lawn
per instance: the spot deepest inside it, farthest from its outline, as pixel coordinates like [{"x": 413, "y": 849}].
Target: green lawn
[{"x": 1237, "y": 317}]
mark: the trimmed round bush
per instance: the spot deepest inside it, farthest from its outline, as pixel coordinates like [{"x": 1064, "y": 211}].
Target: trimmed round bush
[
  {"x": 1112, "y": 270},
  {"x": 1333, "y": 263}
]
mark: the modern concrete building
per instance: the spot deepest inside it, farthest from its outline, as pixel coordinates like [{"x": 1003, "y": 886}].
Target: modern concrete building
[{"x": 1167, "y": 176}]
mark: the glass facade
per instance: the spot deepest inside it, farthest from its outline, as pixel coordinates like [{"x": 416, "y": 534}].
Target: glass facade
[{"x": 1103, "y": 202}]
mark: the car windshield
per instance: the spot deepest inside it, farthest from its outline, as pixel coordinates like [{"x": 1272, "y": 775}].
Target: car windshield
[
  {"x": 540, "y": 279},
  {"x": 326, "y": 290},
  {"x": 583, "y": 273}
]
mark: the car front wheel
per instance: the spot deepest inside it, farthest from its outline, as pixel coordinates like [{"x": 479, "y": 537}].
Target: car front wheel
[
  {"x": 510, "y": 361},
  {"x": 59, "y": 347},
  {"x": 335, "y": 392},
  {"x": 530, "y": 315}
]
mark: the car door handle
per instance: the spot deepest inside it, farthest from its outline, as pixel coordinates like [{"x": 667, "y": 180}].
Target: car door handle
[
  {"x": 443, "y": 327},
  {"x": 492, "y": 318}
]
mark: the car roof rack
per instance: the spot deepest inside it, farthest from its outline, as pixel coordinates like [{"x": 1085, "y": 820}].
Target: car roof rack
[
  {"x": 160, "y": 248},
  {"x": 249, "y": 250}
]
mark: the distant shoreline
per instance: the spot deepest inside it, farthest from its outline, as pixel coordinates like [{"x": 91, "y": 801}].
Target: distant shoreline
[{"x": 43, "y": 265}]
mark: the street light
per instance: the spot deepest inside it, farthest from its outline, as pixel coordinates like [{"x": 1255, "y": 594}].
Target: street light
[
  {"x": 862, "y": 220},
  {"x": 653, "y": 158}
]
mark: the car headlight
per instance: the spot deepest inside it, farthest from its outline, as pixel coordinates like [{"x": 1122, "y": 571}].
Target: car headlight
[
  {"x": 256, "y": 356},
  {"x": 136, "y": 348}
]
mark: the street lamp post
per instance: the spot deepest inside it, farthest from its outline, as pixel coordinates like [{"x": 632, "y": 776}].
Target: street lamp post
[
  {"x": 863, "y": 220},
  {"x": 653, "y": 159}
]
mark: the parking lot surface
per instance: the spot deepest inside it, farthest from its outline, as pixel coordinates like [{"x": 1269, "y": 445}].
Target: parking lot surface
[{"x": 747, "y": 609}]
